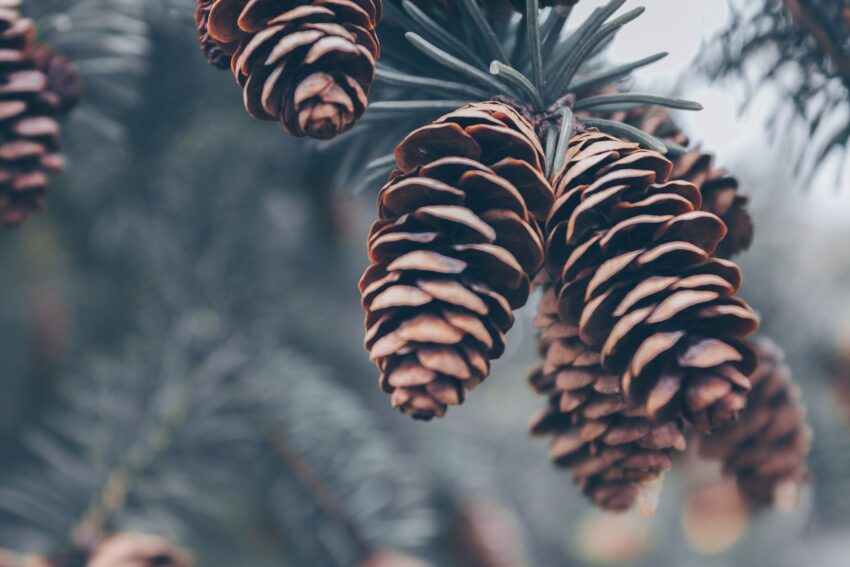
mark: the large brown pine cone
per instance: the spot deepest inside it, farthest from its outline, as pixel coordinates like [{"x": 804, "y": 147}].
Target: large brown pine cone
[
  {"x": 137, "y": 550},
  {"x": 217, "y": 55},
  {"x": 719, "y": 190},
  {"x": 29, "y": 135},
  {"x": 453, "y": 251},
  {"x": 630, "y": 253},
  {"x": 307, "y": 64},
  {"x": 766, "y": 449},
  {"x": 609, "y": 445}
]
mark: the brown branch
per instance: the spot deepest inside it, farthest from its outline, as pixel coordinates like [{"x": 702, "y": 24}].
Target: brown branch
[
  {"x": 306, "y": 475},
  {"x": 810, "y": 22}
]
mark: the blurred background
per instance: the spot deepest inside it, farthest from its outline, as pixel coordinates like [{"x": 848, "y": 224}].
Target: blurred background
[{"x": 181, "y": 334}]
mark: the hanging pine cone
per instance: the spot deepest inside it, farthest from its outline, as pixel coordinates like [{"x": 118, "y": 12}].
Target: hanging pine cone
[
  {"x": 608, "y": 444},
  {"x": 631, "y": 256},
  {"x": 719, "y": 190},
  {"x": 307, "y": 64},
  {"x": 453, "y": 251},
  {"x": 30, "y": 136},
  {"x": 137, "y": 550},
  {"x": 766, "y": 449},
  {"x": 217, "y": 55}
]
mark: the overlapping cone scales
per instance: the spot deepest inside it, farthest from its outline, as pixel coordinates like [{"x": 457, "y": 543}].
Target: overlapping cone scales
[
  {"x": 766, "y": 449},
  {"x": 453, "y": 251},
  {"x": 307, "y": 64},
  {"x": 29, "y": 135},
  {"x": 631, "y": 255},
  {"x": 216, "y": 54},
  {"x": 608, "y": 444},
  {"x": 720, "y": 191}
]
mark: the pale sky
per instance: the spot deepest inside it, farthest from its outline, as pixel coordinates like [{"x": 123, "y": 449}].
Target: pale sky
[{"x": 680, "y": 27}]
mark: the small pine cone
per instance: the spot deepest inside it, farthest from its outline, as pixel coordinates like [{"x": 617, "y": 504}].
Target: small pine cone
[
  {"x": 630, "y": 253},
  {"x": 217, "y": 55},
  {"x": 719, "y": 190},
  {"x": 453, "y": 251},
  {"x": 309, "y": 65},
  {"x": 608, "y": 444},
  {"x": 766, "y": 449},
  {"x": 64, "y": 84},
  {"x": 29, "y": 149},
  {"x": 137, "y": 550}
]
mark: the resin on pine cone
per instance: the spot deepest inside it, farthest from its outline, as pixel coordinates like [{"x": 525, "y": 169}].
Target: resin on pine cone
[
  {"x": 631, "y": 255},
  {"x": 309, "y": 65},
  {"x": 719, "y": 190},
  {"x": 453, "y": 252},
  {"x": 766, "y": 449},
  {"x": 29, "y": 149},
  {"x": 611, "y": 448}
]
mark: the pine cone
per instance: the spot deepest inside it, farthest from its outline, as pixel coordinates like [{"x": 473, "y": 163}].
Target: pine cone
[
  {"x": 719, "y": 190},
  {"x": 453, "y": 252},
  {"x": 137, "y": 550},
  {"x": 30, "y": 136},
  {"x": 630, "y": 253},
  {"x": 608, "y": 444},
  {"x": 64, "y": 84},
  {"x": 217, "y": 55},
  {"x": 766, "y": 450},
  {"x": 307, "y": 64}
]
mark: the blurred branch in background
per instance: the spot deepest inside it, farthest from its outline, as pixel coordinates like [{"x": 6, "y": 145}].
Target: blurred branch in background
[{"x": 802, "y": 49}]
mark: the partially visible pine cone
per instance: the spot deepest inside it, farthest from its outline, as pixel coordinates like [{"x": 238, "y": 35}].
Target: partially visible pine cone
[
  {"x": 136, "y": 550},
  {"x": 609, "y": 445},
  {"x": 720, "y": 191},
  {"x": 453, "y": 252},
  {"x": 631, "y": 256},
  {"x": 64, "y": 84},
  {"x": 766, "y": 449},
  {"x": 217, "y": 55},
  {"x": 486, "y": 534},
  {"x": 391, "y": 559},
  {"x": 29, "y": 135},
  {"x": 309, "y": 65}
]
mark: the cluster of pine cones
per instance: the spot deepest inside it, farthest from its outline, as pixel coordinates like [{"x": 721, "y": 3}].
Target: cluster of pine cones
[
  {"x": 37, "y": 85},
  {"x": 643, "y": 336}
]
